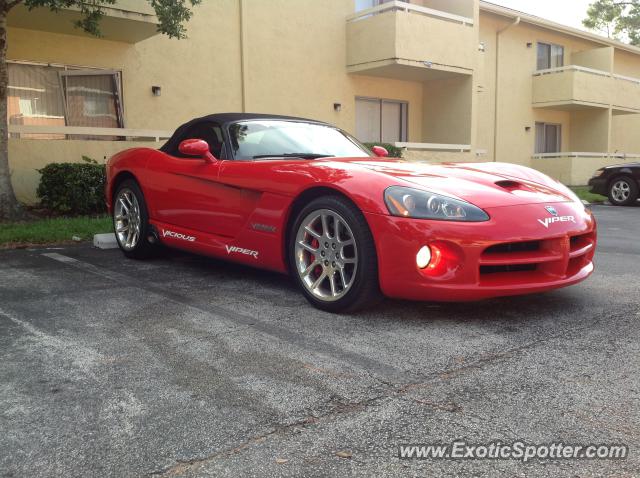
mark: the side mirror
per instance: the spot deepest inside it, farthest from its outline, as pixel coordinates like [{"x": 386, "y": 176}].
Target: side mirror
[
  {"x": 380, "y": 152},
  {"x": 197, "y": 147}
]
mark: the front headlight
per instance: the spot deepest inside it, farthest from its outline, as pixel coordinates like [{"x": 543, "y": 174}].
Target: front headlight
[
  {"x": 599, "y": 172},
  {"x": 417, "y": 204}
]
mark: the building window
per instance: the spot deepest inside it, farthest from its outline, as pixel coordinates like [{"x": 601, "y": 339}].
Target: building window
[
  {"x": 365, "y": 4},
  {"x": 64, "y": 96},
  {"x": 550, "y": 56},
  {"x": 548, "y": 138},
  {"x": 379, "y": 120}
]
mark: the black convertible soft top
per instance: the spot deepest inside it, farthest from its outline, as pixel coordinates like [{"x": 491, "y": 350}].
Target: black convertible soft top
[{"x": 171, "y": 146}]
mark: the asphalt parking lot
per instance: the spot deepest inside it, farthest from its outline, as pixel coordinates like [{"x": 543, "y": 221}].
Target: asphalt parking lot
[{"x": 184, "y": 366}]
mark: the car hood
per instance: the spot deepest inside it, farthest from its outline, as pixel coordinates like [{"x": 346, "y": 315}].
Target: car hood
[{"x": 483, "y": 184}]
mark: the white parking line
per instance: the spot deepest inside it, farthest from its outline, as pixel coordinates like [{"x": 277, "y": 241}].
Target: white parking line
[
  {"x": 60, "y": 257},
  {"x": 27, "y": 326}
]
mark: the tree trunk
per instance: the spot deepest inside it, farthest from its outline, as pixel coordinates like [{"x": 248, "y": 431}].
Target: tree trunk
[{"x": 9, "y": 206}]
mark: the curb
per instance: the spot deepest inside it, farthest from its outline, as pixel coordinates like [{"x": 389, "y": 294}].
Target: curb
[{"x": 105, "y": 241}]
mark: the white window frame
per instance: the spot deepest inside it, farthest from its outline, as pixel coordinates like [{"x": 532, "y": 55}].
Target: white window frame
[
  {"x": 551, "y": 47},
  {"x": 77, "y": 70},
  {"x": 404, "y": 120},
  {"x": 374, "y": 3},
  {"x": 117, "y": 76},
  {"x": 544, "y": 138}
]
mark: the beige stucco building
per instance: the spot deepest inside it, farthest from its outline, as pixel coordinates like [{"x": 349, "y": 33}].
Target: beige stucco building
[{"x": 448, "y": 80}]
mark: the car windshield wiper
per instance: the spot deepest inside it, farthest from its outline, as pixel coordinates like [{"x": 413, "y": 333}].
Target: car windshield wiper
[{"x": 294, "y": 155}]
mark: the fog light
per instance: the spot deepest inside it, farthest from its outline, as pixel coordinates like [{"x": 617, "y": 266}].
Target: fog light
[{"x": 423, "y": 257}]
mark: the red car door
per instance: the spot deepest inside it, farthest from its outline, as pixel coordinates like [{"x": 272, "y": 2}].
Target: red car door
[{"x": 185, "y": 192}]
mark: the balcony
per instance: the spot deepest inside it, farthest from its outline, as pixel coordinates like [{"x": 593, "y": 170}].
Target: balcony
[
  {"x": 127, "y": 21},
  {"x": 410, "y": 42},
  {"x": 59, "y": 131},
  {"x": 576, "y": 87},
  {"x": 62, "y": 144},
  {"x": 439, "y": 153}
]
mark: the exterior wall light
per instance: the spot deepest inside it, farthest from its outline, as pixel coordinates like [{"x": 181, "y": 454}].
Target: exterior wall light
[
  {"x": 337, "y": 107},
  {"x": 428, "y": 64},
  {"x": 156, "y": 90}
]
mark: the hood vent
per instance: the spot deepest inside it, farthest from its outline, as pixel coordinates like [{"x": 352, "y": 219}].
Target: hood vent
[{"x": 508, "y": 184}]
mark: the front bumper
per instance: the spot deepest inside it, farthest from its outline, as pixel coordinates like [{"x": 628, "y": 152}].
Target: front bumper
[
  {"x": 598, "y": 185},
  {"x": 513, "y": 253}
]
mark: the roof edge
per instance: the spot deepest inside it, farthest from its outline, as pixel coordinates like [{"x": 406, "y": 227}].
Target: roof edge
[{"x": 544, "y": 23}]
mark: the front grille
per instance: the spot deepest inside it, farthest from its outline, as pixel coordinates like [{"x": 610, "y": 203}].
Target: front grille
[
  {"x": 535, "y": 261},
  {"x": 507, "y": 268},
  {"x": 513, "y": 247}
]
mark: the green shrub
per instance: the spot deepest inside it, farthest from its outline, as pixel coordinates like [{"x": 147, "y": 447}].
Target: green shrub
[
  {"x": 73, "y": 188},
  {"x": 394, "y": 151}
]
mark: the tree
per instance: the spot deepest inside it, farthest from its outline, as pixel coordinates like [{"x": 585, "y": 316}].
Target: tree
[
  {"x": 618, "y": 19},
  {"x": 172, "y": 15}
]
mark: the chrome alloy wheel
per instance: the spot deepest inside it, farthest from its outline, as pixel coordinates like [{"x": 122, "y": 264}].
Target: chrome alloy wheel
[
  {"x": 127, "y": 219},
  {"x": 620, "y": 190},
  {"x": 326, "y": 255}
]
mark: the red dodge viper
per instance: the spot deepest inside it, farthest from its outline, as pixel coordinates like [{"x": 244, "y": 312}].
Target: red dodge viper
[{"x": 303, "y": 197}]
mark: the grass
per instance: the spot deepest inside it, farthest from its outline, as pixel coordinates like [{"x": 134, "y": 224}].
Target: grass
[
  {"x": 53, "y": 230},
  {"x": 583, "y": 193}
]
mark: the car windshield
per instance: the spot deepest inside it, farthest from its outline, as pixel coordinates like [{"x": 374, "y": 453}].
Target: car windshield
[{"x": 262, "y": 139}]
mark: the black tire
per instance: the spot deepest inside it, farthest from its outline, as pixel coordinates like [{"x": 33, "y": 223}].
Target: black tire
[
  {"x": 364, "y": 291},
  {"x": 626, "y": 182},
  {"x": 142, "y": 249}
]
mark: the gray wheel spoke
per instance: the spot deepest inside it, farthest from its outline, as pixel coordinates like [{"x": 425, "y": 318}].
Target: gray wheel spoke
[
  {"x": 343, "y": 278},
  {"x": 332, "y": 283},
  {"x": 309, "y": 269},
  {"x": 325, "y": 225},
  {"x": 127, "y": 197},
  {"x": 336, "y": 227},
  {"x": 312, "y": 232},
  {"x": 125, "y": 207},
  {"x": 319, "y": 280},
  {"x": 308, "y": 247}
]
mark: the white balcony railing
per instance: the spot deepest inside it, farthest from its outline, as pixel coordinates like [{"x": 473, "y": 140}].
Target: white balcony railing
[
  {"x": 462, "y": 148},
  {"x": 560, "y": 69},
  {"x": 586, "y": 155},
  {"x": 584, "y": 69},
  {"x": 65, "y": 131},
  {"x": 395, "y": 6}
]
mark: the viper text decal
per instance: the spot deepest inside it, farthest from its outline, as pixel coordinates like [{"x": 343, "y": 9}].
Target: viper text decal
[
  {"x": 550, "y": 220},
  {"x": 241, "y": 250}
]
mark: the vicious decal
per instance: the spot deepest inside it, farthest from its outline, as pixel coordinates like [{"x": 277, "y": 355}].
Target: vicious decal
[{"x": 177, "y": 235}]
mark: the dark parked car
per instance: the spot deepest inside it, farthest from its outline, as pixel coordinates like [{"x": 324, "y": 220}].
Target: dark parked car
[{"x": 620, "y": 183}]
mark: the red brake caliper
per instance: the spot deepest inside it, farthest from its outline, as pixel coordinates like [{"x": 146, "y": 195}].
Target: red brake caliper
[{"x": 317, "y": 270}]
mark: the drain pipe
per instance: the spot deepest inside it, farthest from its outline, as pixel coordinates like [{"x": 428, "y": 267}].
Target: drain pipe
[
  {"x": 495, "y": 93},
  {"x": 243, "y": 55}
]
